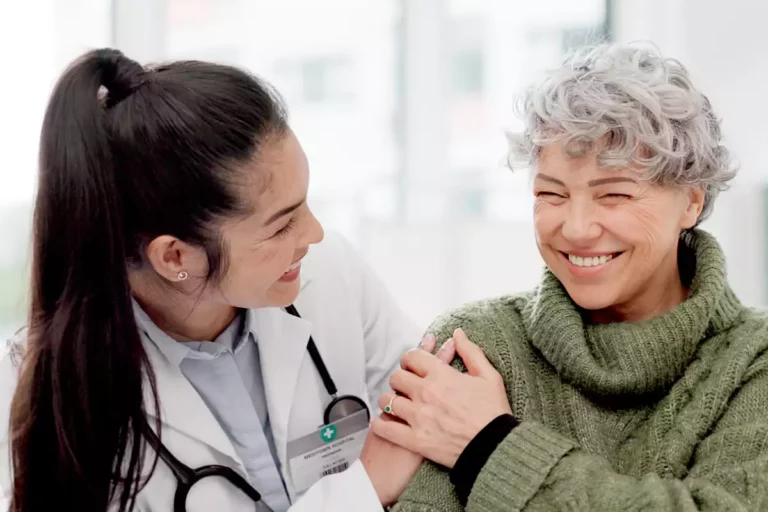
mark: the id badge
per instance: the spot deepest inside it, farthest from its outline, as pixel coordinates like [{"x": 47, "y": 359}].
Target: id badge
[{"x": 327, "y": 451}]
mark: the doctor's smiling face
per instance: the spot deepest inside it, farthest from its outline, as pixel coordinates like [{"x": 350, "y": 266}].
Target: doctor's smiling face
[
  {"x": 260, "y": 250},
  {"x": 265, "y": 249}
]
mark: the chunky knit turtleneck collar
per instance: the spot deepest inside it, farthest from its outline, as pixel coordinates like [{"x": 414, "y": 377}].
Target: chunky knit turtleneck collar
[{"x": 640, "y": 357}]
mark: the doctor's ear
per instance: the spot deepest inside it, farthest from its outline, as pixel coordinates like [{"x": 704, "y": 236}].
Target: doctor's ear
[{"x": 175, "y": 260}]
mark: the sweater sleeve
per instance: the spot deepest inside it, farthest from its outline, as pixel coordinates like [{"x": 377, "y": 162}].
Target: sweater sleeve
[
  {"x": 431, "y": 489},
  {"x": 536, "y": 469}
]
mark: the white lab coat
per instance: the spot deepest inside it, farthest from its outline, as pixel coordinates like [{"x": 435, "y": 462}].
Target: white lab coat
[{"x": 360, "y": 333}]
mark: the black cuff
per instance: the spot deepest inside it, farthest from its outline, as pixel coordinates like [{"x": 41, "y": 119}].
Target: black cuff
[{"x": 476, "y": 454}]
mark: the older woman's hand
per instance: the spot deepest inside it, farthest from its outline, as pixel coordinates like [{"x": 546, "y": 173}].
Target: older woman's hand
[
  {"x": 441, "y": 408},
  {"x": 379, "y": 456}
]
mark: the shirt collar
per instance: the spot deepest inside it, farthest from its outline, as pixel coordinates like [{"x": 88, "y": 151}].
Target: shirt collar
[
  {"x": 172, "y": 350},
  {"x": 176, "y": 352}
]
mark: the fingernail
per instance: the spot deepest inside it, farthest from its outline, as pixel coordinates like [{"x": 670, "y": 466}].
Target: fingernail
[
  {"x": 458, "y": 331},
  {"x": 429, "y": 338},
  {"x": 448, "y": 345}
]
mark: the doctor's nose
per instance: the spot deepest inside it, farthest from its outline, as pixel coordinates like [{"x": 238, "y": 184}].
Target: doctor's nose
[{"x": 314, "y": 233}]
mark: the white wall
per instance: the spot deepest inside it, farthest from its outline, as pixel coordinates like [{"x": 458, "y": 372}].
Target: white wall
[
  {"x": 724, "y": 46},
  {"x": 434, "y": 270},
  {"x": 38, "y": 39}
]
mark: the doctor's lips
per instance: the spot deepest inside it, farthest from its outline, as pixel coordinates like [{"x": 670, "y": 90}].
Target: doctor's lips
[
  {"x": 292, "y": 273},
  {"x": 589, "y": 259}
]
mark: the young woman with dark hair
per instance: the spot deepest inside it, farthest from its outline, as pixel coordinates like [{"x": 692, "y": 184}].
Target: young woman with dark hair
[{"x": 171, "y": 227}]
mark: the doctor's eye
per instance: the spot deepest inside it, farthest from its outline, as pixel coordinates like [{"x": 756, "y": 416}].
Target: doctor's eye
[{"x": 287, "y": 228}]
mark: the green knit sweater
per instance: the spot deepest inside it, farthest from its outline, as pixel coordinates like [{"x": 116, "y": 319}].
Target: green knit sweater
[{"x": 668, "y": 414}]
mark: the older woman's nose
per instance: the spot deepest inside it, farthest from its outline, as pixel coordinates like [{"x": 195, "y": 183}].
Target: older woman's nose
[{"x": 580, "y": 225}]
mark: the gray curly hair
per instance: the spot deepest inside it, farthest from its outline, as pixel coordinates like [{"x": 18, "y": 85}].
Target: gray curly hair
[{"x": 641, "y": 109}]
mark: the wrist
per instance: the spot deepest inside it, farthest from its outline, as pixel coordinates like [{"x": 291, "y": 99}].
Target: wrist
[
  {"x": 378, "y": 483},
  {"x": 365, "y": 488},
  {"x": 472, "y": 460}
]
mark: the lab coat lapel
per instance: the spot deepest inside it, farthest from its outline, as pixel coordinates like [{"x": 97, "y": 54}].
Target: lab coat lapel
[
  {"x": 282, "y": 348},
  {"x": 181, "y": 407},
  {"x": 282, "y": 340}
]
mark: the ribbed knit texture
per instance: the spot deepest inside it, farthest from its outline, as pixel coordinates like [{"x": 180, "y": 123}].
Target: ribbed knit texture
[{"x": 668, "y": 414}]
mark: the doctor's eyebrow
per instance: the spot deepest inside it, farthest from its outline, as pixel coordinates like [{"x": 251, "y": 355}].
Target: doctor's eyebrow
[{"x": 284, "y": 211}]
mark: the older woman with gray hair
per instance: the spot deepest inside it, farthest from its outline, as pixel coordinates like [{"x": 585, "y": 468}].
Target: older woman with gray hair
[{"x": 631, "y": 378}]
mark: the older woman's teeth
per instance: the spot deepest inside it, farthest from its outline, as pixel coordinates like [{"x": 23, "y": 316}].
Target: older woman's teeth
[{"x": 589, "y": 261}]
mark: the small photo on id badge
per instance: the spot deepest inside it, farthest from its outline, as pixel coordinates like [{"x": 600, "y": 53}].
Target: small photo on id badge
[{"x": 327, "y": 451}]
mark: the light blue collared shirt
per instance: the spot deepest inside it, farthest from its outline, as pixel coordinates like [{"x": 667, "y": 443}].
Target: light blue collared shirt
[{"x": 227, "y": 375}]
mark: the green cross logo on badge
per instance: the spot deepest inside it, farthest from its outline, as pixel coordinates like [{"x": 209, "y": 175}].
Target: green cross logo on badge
[{"x": 328, "y": 433}]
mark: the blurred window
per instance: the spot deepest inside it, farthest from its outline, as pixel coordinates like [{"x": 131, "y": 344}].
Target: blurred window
[{"x": 400, "y": 105}]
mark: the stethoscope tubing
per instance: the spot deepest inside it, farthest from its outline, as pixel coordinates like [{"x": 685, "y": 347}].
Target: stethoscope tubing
[{"x": 186, "y": 477}]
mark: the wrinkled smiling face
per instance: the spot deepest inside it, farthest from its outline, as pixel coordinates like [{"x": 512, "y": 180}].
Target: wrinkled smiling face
[{"x": 610, "y": 237}]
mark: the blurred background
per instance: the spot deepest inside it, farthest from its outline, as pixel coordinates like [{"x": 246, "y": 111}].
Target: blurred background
[{"x": 401, "y": 106}]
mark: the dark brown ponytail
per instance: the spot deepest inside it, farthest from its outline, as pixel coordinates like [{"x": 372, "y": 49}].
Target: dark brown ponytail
[{"x": 127, "y": 154}]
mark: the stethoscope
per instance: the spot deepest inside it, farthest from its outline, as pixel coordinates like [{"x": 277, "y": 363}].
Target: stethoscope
[{"x": 339, "y": 407}]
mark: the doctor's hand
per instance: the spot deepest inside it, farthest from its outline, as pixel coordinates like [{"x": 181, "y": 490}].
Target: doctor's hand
[
  {"x": 442, "y": 409},
  {"x": 391, "y": 467}
]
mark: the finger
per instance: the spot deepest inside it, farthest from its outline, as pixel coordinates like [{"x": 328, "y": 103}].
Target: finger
[
  {"x": 419, "y": 362},
  {"x": 447, "y": 352},
  {"x": 394, "y": 432},
  {"x": 405, "y": 383},
  {"x": 401, "y": 407},
  {"x": 473, "y": 356},
  {"x": 428, "y": 343},
  {"x": 386, "y": 417}
]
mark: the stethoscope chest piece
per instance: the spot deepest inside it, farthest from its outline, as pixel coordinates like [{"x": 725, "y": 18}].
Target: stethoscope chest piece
[
  {"x": 339, "y": 408},
  {"x": 344, "y": 406}
]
